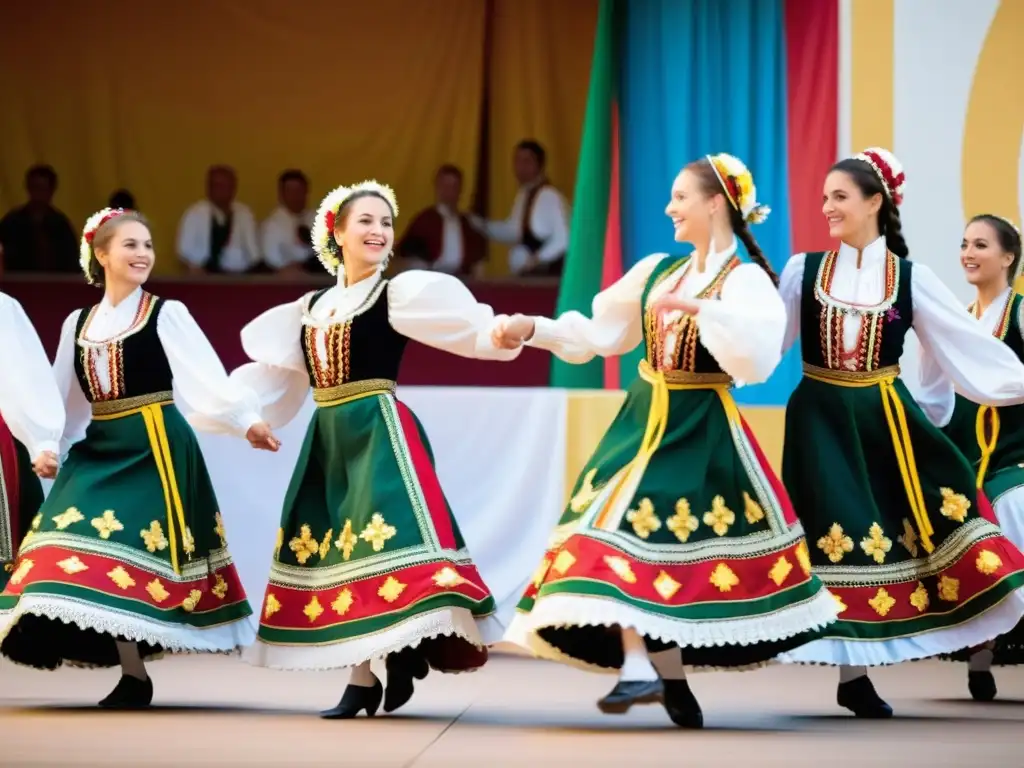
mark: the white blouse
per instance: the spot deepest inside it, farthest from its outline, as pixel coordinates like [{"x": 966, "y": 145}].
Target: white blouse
[
  {"x": 954, "y": 346},
  {"x": 29, "y": 400},
  {"x": 429, "y": 307},
  {"x": 742, "y": 330},
  {"x": 199, "y": 375}
]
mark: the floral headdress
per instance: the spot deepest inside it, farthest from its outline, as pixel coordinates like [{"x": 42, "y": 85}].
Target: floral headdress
[
  {"x": 94, "y": 222},
  {"x": 888, "y": 169},
  {"x": 326, "y": 247},
  {"x": 738, "y": 183}
]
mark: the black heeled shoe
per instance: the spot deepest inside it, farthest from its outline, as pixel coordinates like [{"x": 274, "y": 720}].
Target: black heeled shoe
[
  {"x": 356, "y": 699},
  {"x": 402, "y": 668},
  {"x": 627, "y": 693},
  {"x": 129, "y": 693},
  {"x": 982, "y": 685},
  {"x": 859, "y": 696},
  {"x": 681, "y": 705}
]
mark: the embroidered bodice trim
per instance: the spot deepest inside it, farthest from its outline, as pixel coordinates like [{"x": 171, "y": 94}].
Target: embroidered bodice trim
[
  {"x": 333, "y": 318},
  {"x": 1003, "y": 326},
  {"x": 142, "y": 316},
  {"x": 334, "y": 367}
]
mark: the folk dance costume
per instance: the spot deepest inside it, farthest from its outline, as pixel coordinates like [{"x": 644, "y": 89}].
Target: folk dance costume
[
  {"x": 31, "y": 422},
  {"x": 901, "y": 536},
  {"x": 369, "y": 562},
  {"x": 678, "y": 529},
  {"x": 130, "y": 545}
]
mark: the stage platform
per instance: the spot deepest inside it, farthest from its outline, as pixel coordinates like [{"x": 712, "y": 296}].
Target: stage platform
[{"x": 218, "y": 711}]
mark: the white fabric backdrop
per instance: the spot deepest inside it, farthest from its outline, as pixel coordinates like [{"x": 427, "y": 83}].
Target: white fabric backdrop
[{"x": 500, "y": 457}]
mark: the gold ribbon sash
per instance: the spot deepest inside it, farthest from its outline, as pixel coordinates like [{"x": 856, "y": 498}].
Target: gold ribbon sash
[
  {"x": 986, "y": 440},
  {"x": 150, "y": 407},
  {"x": 326, "y": 397},
  {"x": 896, "y": 418}
]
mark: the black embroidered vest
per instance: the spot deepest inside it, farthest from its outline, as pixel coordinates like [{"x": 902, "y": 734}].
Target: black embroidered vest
[{"x": 220, "y": 236}]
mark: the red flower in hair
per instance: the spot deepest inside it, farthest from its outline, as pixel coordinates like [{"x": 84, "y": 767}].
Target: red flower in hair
[
  {"x": 112, "y": 215},
  {"x": 894, "y": 182},
  {"x": 329, "y": 219}
]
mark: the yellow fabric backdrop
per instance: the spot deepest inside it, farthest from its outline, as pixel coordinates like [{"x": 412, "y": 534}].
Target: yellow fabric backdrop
[
  {"x": 540, "y": 69},
  {"x": 147, "y": 96}
]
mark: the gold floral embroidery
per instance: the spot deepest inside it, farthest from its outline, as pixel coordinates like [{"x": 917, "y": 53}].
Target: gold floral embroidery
[
  {"x": 586, "y": 494},
  {"x": 38, "y": 520},
  {"x": 279, "y": 543},
  {"x": 391, "y": 589},
  {"x": 219, "y": 530},
  {"x": 189, "y": 603},
  {"x": 541, "y": 572},
  {"x": 313, "y": 609},
  {"x": 751, "y": 509},
  {"x": 803, "y": 556},
  {"x": 343, "y": 602},
  {"x": 666, "y": 586},
  {"x": 563, "y": 562},
  {"x": 909, "y": 538},
  {"x": 346, "y": 541},
  {"x": 273, "y": 605},
  {"x": 919, "y": 598},
  {"x": 643, "y": 519},
  {"x": 882, "y": 602},
  {"x": 188, "y": 543},
  {"x": 621, "y": 568},
  {"x": 839, "y": 602},
  {"x": 107, "y": 524},
  {"x": 220, "y": 589},
  {"x": 988, "y": 562},
  {"x": 448, "y": 577},
  {"x": 954, "y": 505},
  {"x": 720, "y": 517},
  {"x": 377, "y": 532},
  {"x": 21, "y": 571},
  {"x": 836, "y": 543},
  {"x": 121, "y": 578},
  {"x": 72, "y": 565},
  {"x": 157, "y": 591},
  {"x": 304, "y": 545},
  {"x": 724, "y": 578},
  {"x": 154, "y": 537},
  {"x": 325, "y": 544},
  {"x": 682, "y": 523},
  {"x": 780, "y": 570},
  {"x": 949, "y": 589},
  {"x": 70, "y": 516},
  {"x": 876, "y": 543}
]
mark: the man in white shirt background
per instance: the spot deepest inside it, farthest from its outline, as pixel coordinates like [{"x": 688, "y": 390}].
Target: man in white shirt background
[
  {"x": 218, "y": 234},
  {"x": 538, "y": 226},
  {"x": 285, "y": 234}
]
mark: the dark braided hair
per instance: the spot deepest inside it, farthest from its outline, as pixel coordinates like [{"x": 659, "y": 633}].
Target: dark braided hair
[
  {"x": 889, "y": 223},
  {"x": 1007, "y": 235},
  {"x": 710, "y": 185}
]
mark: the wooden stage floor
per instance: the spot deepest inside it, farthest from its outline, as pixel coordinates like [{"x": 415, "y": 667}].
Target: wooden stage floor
[{"x": 516, "y": 712}]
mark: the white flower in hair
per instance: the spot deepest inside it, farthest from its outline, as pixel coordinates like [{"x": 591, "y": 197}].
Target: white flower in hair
[
  {"x": 738, "y": 183},
  {"x": 322, "y": 235},
  {"x": 94, "y": 222}
]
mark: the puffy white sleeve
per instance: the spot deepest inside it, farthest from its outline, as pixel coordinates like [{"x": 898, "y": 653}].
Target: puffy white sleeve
[
  {"x": 956, "y": 347},
  {"x": 29, "y": 399},
  {"x": 77, "y": 410},
  {"x": 278, "y": 373},
  {"x": 440, "y": 311},
  {"x": 614, "y": 328},
  {"x": 744, "y": 329},
  {"x": 199, "y": 375},
  {"x": 791, "y": 290}
]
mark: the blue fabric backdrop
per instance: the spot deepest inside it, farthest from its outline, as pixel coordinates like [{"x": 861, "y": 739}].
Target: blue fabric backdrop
[{"x": 700, "y": 77}]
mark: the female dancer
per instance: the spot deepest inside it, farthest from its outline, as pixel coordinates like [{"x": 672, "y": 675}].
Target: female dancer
[
  {"x": 678, "y": 535},
  {"x": 31, "y": 423},
  {"x": 992, "y": 439},
  {"x": 902, "y": 538},
  {"x": 127, "y": 558},
  {"x": 369, "y": 561}
]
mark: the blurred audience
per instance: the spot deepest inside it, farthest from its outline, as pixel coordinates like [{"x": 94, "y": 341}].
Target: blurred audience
[
  {"x": 122, "y": 198},
  {"x": 218, "y": 234},
  {"x": 37, "y": 237},
  {"x": 285, "y": 234}
]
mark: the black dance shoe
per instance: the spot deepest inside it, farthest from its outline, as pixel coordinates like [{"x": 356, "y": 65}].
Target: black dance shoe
[
  {"x": 681, "y": 704},
  {"x": 859, "y": 696},
  {"x": 403, "y": 667},
  {"x": 129, "y": 693},
  {"x": 627, "y": 693},
  {"x": 355, "y": 699},
  {"x": 982, "y": 686}
]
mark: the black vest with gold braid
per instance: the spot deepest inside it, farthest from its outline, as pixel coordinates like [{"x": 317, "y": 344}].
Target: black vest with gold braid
[{"x": 136, "y": 361}]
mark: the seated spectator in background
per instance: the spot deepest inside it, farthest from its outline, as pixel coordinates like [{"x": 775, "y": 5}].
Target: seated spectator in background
[
  {"x": 37, "y": 237},
  {"x": 285, "y": 235},
  {"x": 122, "y": 198},
  {"x": 538, "y": 226},
  {"x": 441, "y": 237},
  {"x": 218, "y": 234}
]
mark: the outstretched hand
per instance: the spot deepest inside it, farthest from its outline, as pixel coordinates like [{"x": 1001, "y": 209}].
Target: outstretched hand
[
  {"x": 45, "y": 465},
  {"x": 262, "y": 438},
  {"x": 511, "y": 332}
]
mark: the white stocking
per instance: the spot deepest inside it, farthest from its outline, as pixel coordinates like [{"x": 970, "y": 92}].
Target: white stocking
[{"x": 636, "y": 666}]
